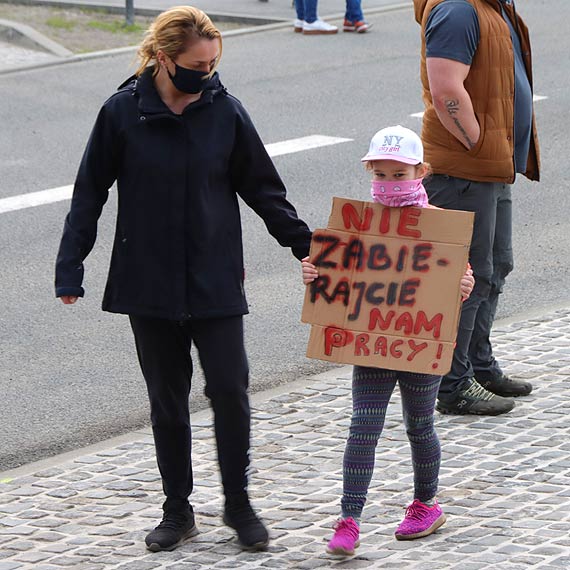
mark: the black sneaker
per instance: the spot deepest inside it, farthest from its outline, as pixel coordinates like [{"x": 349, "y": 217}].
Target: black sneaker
[
  {"x": 172, "y": 530},
  {"x": 476, "y": 400},
  {"x": 251, "y": 532},
  {"x": 504, "y": 386}
]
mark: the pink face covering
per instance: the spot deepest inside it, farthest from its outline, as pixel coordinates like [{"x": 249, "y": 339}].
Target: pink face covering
[{"x": 399, "y": 193}]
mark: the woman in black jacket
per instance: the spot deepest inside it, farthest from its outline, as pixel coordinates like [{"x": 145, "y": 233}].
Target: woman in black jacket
[{"x": 181, "y": 150}]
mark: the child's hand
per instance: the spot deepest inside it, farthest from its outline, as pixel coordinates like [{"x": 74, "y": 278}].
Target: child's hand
[
  {"x": 467, "y": 284},
  {"x": 309, "y": 271}
]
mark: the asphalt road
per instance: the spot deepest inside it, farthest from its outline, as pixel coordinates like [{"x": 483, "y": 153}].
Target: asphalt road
[{"x": 68, "y": 375}]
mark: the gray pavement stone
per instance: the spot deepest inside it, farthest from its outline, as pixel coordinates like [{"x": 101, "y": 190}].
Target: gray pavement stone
[
  {"x": 504, "y": 484},
  {"x": 10, "y": 565}
]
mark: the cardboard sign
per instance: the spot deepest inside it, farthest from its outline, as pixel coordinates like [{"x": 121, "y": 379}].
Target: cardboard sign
[{"x": 388, "y": 293}]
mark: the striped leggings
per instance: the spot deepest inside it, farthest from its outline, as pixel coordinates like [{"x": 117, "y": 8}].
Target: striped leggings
[{"x": 371, "y": 392}]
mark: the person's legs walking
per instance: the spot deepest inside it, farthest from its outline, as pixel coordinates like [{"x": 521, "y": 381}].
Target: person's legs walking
[
  {"x": 485, "y": 367},
  {"x": 306, "y": 10},
  {"x": 308, "y": 20},
  {"x": 354, "y": 18},
  {"x": 222, "y": 355},
  {"x": 163, "y": 350},
  {"x": 480, "y": 350},
  {"x": 300, "y": 12},
  {"x": 419, "y": 392},
  {"x": 310, "y": 11},
  {"x": 371, "y": 391},
  {"x": 354, "y": 11},
  {"x": 459, "y": 393}
]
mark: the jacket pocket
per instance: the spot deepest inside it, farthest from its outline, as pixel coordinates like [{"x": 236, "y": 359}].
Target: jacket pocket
[{"x": 475, "y": 150}]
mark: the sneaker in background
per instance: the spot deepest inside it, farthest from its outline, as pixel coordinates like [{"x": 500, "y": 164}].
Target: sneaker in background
[
  {"x": 503, "y": 385},
  {"x": 345, "y": 538},
  {"x": 298, "y": 26},
  {"x": 475, "y": 400},
  {"x": 319, "y": 27},
  {"x": 420, "y": 520},
  {"x": 359, "y": 27}
]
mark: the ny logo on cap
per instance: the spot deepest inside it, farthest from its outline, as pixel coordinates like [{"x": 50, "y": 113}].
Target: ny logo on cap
[{"x": 388, "y": 140}]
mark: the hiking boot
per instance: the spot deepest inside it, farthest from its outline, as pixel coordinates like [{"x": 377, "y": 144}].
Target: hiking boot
[
  {"x": 476, "y": 400},
  {"x": 503, "y": 385},
  {"x": 359, "y": 27},
  {"x": 319, "y": 27},
  {"x": 345, "y": 538},
  {"x": 251, "y": 532},
  {"x": 420, "y": 520},
  {"x": 172, "y": 530}
]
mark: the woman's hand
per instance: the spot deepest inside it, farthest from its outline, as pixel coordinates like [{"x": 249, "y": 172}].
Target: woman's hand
[
  {"x": 308, "y": 270},
  {"x": 467, "y": 284},
  {"x": 68, "y": 299}
]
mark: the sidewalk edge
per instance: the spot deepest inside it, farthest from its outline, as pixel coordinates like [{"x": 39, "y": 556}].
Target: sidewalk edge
[
  {"x": 199, "y": 416},
  {"x": 27, "y": 36},
  {"x": 255, "y": 398}
]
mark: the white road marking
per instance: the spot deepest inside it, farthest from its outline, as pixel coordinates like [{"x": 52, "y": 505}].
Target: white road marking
[
  {"x": 534, "y": 98},
  {"x": 304, "y": 143},
  {"x": 32, "y": 199}
]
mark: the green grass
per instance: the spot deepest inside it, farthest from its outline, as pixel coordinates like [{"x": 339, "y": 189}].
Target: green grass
[
  {"x": 60, "y": 23},
  {"x": 116, "y": 27}
]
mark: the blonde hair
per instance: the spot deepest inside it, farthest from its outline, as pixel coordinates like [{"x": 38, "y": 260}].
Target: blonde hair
[{"x": 172, "y": 32}]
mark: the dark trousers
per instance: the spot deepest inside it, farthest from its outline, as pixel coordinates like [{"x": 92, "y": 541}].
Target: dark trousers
[
  {"x": 491, "y": 257},
  {"x": 163, "y": 348}
]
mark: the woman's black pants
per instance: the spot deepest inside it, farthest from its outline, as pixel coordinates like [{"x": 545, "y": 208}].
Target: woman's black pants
[{"x": 163, "y": 349}]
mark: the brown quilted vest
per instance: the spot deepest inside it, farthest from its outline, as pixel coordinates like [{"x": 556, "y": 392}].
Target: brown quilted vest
[{"x": 490, "y": 84}]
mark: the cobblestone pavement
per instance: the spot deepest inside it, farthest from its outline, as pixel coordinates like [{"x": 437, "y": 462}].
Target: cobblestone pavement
[{"x": 504, "y": 483}]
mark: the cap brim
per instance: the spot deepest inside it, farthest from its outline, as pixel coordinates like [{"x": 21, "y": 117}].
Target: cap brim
[{"x": 370, "y": 157}]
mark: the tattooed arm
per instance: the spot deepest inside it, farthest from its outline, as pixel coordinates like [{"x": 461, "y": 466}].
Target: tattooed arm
[{"x": 451, "y": 101}]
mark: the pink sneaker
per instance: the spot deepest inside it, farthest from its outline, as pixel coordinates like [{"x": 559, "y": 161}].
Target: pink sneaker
[
  {"x": 345, "y": 538},
  {"x": 420, "y": 520}
]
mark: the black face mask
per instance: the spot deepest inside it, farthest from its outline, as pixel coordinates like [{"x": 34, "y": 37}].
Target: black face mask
[{"x": 189, "y": 80}]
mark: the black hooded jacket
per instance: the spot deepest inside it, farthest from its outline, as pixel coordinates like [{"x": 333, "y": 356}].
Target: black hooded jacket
[{"x": 178, "y": 243}]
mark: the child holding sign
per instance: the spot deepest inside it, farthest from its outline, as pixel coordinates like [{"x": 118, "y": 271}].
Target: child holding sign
[{"x": 395, "y": 158}]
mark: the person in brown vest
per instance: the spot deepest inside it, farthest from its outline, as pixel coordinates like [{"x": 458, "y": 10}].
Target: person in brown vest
[{"x": 478, "y": 132}]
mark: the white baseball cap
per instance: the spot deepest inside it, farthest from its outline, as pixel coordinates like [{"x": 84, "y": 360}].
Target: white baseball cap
[{"x": 396, "y": 143}]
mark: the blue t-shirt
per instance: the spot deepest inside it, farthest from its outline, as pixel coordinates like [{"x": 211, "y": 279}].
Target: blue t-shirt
[{"x": 452, "y": 32}]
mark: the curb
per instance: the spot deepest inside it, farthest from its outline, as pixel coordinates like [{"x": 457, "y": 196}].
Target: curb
[
  {"x": 197, "y": 417},
  {"x": 75, "y": 58},
  {"x": 25, "y": 36}
]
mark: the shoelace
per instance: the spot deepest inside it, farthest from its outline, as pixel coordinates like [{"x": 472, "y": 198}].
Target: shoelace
[
  {"x": 414, "y": 511},
  {"x": 344, "y": 526},
  {"x": 477, "y": 391}
]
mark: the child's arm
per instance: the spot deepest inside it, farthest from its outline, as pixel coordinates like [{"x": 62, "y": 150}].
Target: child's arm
[
  {"x": 467, "y": 283},
  {"x": 309, "y": 271}
]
